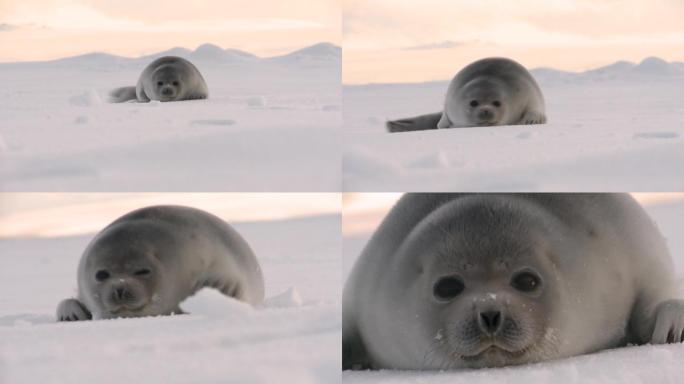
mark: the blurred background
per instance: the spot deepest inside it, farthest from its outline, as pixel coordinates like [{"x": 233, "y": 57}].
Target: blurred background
[
  {"x": 416, "y": 41},
  {"x": 50, "y": 29},
  {"x": 69, "y": 214}
]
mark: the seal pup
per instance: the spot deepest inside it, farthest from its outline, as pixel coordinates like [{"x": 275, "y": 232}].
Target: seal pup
[
  {"x": 483, "y": 280},
  {"x": 492, "y": 91},
  {"x": 168, "y": 78},
  {"x": 148, "y": 261}
]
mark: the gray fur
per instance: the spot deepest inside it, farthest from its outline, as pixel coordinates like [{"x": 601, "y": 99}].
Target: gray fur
[
  {"x": 606, "y": 280},
  {"x": 168, "y": 78},
  {"x": 155, "y": 258}
]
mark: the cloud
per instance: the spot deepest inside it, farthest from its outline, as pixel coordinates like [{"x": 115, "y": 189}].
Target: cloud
[
  {"x": 447, "y": 44},
  {"x": 5, "y": 27},
  {"x": 390, "y": 24}
]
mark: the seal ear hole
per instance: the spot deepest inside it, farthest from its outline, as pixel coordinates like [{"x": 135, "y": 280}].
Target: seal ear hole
[
  {"x": 496, "y": 103},
  {"x": 160, "y": 83},
  {"x": 526, "y": 281},
  {"x": 143, "y": 272},
  {"x": 474, "y": 103},
  {"x": 102, "y": 275},
  {"x": 448, "y": 287},
  {"x": 175, "y": 83}
]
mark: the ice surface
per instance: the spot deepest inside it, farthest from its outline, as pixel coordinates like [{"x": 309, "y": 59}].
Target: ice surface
[
  {"x": 59, "y": 135},
  {"x": 630, "y": 365},
  {"x": 616, "y": 128},
  {"x": 220, "y": 341}
]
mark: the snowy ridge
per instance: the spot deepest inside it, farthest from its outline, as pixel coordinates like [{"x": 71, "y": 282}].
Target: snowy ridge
[
  {"x": 650, "y": 66},
  {"x": 206, "y": 53}
]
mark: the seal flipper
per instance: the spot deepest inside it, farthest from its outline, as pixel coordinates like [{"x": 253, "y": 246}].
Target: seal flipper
[
  {"x": 417, "y": 123},
  {"x": 354, "y": 355},
  {"x": 532, "y": 117},
  {"x": 72, "y": 310},
  {"x": 120, "y": 95},
  {"x": 669, "y": 322}
]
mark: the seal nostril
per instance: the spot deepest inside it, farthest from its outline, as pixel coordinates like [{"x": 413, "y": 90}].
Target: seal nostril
[
  {"x": 119, "y": 293},
  {"x": 490, "y": 321}
]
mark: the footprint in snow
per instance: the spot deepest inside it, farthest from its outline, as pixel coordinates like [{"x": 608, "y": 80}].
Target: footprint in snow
[{"x": 656, "y": 135}]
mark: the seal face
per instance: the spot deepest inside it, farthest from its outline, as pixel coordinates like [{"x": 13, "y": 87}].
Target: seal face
[
  {"x": 468, "y": 281},
  {"x": 492, "y": 91},
  {"x": 168, "y": 78},
  {"x": 148, "y": 261}
]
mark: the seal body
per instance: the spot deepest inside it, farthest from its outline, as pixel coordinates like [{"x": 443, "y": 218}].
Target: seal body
[
  {"x": 492, "y": 91},
  {"x": 466, "y": 281},
  {"x": 168, "y": 78},
  {"x": 150, "y": 260}
]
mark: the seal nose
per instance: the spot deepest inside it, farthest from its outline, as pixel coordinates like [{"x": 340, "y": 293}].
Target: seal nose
[
  {"x": 490, "y": 321},
  {"x": 485, "y": 114},
  {"x": 167, "y": 91},
  {"x": 120, "y": 295}
]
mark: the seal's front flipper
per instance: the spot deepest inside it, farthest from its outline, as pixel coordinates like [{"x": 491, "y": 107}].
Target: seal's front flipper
[
  {"x": 669, "y": 322},
  {"x": 354, "y": 355},
  {"x": 532, "y": 117},
  {"x": 120, "y": 95},
  {"x": 72, "y": 310},
  {"x": 418, "y": 123}
]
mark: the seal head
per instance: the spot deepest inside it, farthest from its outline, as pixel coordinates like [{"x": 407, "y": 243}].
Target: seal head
[
  {"x": 485, "y": 280},
  {"x": 126, "y": 276}
]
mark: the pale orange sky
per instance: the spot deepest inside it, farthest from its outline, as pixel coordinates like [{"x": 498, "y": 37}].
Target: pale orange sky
[
  {"x": 49, "y": 29},
  {"x": 363, "y": 212},
  {"x": 66, "y": 214},
  {"x": 422, "y": 40}
]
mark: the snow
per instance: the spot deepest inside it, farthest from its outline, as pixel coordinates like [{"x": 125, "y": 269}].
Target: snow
[
  {"x": 629, "y": 365},
  {"x": 616, "y": 128},
  {"x": 294, "y": 338},
  {"x": 269, "y": 124}
]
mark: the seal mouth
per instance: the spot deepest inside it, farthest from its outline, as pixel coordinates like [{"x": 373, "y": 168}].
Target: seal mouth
[
  {"x": 124, "y": 311},
  {"x": 494, "y": 350}
]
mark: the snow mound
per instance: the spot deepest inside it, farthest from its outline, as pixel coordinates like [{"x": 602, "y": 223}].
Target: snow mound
[
  {"x": 289, "y": 298},
  {"x": 256, "y": 101},
  {"x": 360, "y": 161},
  {"x": 212, "y": 303},
  {"x": 431, "y": 161},
  {"x": 87, "y": 99}
]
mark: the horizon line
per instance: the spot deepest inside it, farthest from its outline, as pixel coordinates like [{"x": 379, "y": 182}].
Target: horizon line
[
  {"x": 529, "y": 69},
  {"x": 168, "y": 49}
]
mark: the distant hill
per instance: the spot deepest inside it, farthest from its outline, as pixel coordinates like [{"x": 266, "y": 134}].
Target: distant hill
[
  {"x": 650, "y": 66},
  {"x": 317, "y": 52},
  {"x": 208, "y": 54}
]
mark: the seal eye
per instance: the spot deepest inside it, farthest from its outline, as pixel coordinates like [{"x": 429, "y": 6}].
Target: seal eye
[
  {"x": 160, "y": 83},
  {"x": 526, "y": 282},
  {"x": 175, "y": 83},
  {"x": 143, "y": 272},
  {"x": 447, "y": 288},
  {"x": 474, "y": 103},
  {"x": 102, "y": 275},
  {"x": 496, "y": 103}
]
